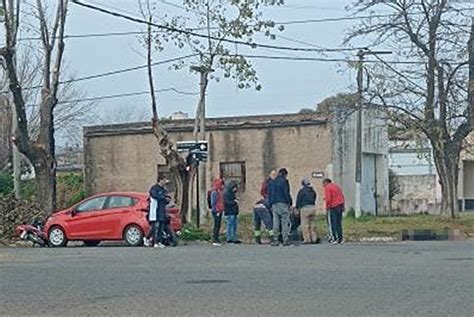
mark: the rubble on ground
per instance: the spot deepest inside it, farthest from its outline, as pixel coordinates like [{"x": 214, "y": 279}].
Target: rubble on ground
[{"x": 14, "y": 212}]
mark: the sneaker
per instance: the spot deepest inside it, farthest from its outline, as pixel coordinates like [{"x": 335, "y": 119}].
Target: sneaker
[
  {"x": 275, "y": 243},
  {"x": 286, "y": 244},
  {"x": 258, "y": 240},
  {"x": 217, "y": 244},
  {"x": 230, "y": 241},
  {"x": 341, "y": 241},
  {"x": 334, "y": 242},
  {"x": 146, "y": 242},
  {"x": 159, "y": 245},
  {"x": 237, "y": 242}
]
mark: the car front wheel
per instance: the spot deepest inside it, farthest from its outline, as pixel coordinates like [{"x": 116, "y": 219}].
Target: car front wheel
[
  {"x": 133, "y": 235},
  {"x": 57, "y": 237}
]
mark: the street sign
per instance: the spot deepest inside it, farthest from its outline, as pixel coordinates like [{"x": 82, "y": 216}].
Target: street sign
[
  {"x": 197, "y": 150},
  {"x": 200, "y": 156},
  {"x": 184, "y": 146}
]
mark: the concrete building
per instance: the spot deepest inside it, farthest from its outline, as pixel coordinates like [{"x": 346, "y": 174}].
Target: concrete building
[
  {"x": 413, "y": 164},
  {"x": 126, "y": 157}
]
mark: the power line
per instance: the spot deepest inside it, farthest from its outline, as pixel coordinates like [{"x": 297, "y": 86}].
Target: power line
[
  {"x": 114, "y": 72},
  {"x": 130, "y": 94},
  {"x": 318, "y": 59},
  {"x": 192, "y": 33}
]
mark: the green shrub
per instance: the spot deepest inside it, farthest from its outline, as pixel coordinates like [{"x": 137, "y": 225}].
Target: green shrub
[
  {"x": 70, "y": 189},
  {"x": 6, "y": 183},
  {"x": 351, "y": 213},
  {"x": 191, "y": 233}
]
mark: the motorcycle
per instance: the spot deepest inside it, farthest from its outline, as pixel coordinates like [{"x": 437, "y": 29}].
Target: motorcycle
[
  {"x": 32, "y": 232},
  {"x": 169, "y": 237}
]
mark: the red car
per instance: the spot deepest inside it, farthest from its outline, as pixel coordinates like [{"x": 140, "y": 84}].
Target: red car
[{"x": 107, "y": 216}]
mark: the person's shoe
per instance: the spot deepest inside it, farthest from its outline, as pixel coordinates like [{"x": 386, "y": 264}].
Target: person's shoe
[
  {"x": 258, "y": 240},
  {"x": 341, "y": 241},
  {"x": 318, "y": 241},
  {"x": 217, "y": 244},
  {"x": 159, "y": 245},
  {"x": 275, "y": 243},
  {"x": 286, "y": 244},
  {"x": 230, "y": 241},
  {"x": 146, "y": 242},
  {"x": 237, "y": 242},
  {"x": 334, "y": 242}
]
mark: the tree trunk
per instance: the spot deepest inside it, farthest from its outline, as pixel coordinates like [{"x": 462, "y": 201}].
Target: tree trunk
[
  {"x": 447, "y": 165},
  {"x": 45, "y": 170}
]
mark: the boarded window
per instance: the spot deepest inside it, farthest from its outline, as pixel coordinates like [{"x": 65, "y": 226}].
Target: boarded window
[{"x": 234, "y": 171}]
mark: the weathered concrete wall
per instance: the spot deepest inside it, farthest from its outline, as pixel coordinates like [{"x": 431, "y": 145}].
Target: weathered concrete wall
[
  {"x": 417, "y": 194},
  {"x": 374, "y": 147},
  {"x": 128, "y": 160}
]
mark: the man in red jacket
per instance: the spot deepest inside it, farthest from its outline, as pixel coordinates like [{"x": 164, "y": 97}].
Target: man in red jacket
[{"x": 334, "y": 199}]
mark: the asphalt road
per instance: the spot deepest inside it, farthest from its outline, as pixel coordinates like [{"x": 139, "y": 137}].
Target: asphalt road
[{"x": 399, "y": 279}]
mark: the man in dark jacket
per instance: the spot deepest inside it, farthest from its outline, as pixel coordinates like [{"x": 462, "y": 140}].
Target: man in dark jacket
[
  {"x": 280, "y": 202},
  {"x": 231, "y": 211},
  {"x": 306, "y": 204},
  {"x": 264, "y": 188},
  {"x": 159, "y": 193}
]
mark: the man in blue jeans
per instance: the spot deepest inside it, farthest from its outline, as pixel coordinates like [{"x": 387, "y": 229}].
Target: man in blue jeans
[
  {"x": 231, "y": 211},
  {"x": 280, "y": 201}
]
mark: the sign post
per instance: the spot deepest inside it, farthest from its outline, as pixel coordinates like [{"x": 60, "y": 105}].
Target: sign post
[{"x": 197, "y": 152}]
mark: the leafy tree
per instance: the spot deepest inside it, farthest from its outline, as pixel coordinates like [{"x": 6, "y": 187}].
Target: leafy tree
[{"x": 221, "y": 20}]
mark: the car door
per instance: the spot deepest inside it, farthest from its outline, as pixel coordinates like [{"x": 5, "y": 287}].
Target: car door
[
  {"x": 85, "y": 222},
  {"x": 115, "y": 213}
]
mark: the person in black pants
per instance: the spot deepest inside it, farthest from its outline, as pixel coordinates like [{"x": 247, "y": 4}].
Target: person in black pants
[
  {"x": 159, "y": 193},
  {"x": 217, "y": 208}
]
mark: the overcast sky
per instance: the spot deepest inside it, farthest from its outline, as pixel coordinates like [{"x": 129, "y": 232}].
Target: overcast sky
[{"x": 288, "y": 86}]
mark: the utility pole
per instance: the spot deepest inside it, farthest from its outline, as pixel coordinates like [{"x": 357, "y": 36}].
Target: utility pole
[
  {"x": 471, "y": 73},
  {"x": 360, "y": 108},
  {"x": 358, "y": 158},
  {"x": 16, "y": 158},
  {"x": 200, "y": 135}
]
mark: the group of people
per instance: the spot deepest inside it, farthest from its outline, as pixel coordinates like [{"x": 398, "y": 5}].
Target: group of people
[{"x": 274, "y": 210}]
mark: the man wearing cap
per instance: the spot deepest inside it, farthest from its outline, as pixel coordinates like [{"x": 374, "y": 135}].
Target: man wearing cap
[{"x": 306, "y": 204}]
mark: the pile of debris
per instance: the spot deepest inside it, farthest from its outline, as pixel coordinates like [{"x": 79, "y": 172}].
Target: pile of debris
[{"x": 14, "y": 212}]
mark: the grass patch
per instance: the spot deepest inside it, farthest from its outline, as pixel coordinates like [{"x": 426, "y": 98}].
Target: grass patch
[
  {"x": 355, "y": 229},
  {"x": 191, "y": 233}
]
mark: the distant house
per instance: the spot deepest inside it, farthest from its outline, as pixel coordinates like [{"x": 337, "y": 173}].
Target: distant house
[
  {"x": 420, "y": 192},
  {"x": 126, "y": 156}
]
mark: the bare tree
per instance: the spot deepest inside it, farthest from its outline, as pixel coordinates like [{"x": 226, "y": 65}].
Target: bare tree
[
  {"x": 40, "y": 150},
  {"x": 426, "y": 91},
  {"x": 126, "y": 114},
  {"x": 5, "y": 132}
]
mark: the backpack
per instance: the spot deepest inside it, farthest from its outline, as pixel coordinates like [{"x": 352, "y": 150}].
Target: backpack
[{"x": 209, "y": 205}]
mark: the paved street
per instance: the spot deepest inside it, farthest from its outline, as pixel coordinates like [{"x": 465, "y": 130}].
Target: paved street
[{"x": 400, "y": 279}]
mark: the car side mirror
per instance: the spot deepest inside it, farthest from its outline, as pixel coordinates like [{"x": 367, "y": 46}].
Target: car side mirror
[{"x": 73, "y": 212}]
